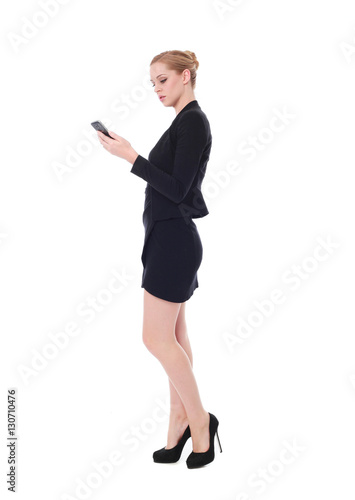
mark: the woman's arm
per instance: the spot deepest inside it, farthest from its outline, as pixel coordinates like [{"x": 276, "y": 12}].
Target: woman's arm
[{"x": 191, "y": 142}]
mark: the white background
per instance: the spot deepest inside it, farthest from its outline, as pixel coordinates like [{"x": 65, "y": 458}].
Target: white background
[{"x": 292, "y": 379}]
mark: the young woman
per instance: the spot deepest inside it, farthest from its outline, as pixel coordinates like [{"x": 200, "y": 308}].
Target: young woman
[{"x": 172, "y": 250}]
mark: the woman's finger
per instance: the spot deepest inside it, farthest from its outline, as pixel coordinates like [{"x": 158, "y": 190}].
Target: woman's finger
[{"x": 104, "y": 137}]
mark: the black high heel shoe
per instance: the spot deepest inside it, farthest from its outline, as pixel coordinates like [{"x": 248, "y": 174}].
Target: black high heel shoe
[
  {"x": 171, "y": 455},
  {"x": 196, "y": 459}
]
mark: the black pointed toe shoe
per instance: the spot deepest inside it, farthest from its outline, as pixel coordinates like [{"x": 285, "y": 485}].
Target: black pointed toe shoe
[
  {"x": 171, "y": 455},
  {"x": 196, "y": 459}
]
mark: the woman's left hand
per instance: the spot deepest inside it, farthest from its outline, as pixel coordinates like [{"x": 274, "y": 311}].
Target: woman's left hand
[{"x": 118, "y": 146}]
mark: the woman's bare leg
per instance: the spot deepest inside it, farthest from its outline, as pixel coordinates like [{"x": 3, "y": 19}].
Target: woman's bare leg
[
  {"x": 178, "y": 420},
  {"x": 159, "y": 321}
]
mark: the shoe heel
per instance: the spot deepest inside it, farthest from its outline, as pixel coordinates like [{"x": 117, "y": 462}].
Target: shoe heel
[{"x": 220, "y": 447}]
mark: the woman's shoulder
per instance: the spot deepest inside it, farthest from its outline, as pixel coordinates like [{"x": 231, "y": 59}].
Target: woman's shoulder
[{"x": 191, "y": 119}]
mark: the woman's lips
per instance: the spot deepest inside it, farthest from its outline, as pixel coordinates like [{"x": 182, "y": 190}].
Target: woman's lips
[{"x": 162, "y": 97}]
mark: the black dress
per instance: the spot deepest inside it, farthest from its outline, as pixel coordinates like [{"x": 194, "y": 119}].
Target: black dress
[{"x": 172, "y": 249}]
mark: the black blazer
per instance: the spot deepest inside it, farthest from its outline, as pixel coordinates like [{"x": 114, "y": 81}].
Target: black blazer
[{"x": 177, "y": 165}]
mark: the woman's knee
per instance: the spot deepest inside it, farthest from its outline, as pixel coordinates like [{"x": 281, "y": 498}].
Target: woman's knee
[
  {"x": 156, "y": 341},
  {"x": 148, "y": 339}
]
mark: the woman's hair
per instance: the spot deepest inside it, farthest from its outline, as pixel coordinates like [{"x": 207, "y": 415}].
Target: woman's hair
[{"x": 179, "y": 60}]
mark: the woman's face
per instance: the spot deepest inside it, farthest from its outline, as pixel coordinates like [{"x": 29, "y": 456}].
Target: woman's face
[{"x": 168, "y": 83}]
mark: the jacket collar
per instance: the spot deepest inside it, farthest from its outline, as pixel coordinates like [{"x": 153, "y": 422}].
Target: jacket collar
[{"x": 189, "y": 105}]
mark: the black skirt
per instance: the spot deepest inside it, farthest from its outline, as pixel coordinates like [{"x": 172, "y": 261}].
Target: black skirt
[{"x": 171, "y": 256}]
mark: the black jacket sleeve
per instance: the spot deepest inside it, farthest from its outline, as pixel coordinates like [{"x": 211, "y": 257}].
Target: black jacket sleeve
[{"x": 191, "y": 140}]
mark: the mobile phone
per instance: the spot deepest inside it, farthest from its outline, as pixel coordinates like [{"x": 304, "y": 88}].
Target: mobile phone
[{"x": 100, "y": 126}]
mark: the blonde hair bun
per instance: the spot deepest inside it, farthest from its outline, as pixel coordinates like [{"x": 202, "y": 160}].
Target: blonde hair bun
[{"x": 193, "y": 57}]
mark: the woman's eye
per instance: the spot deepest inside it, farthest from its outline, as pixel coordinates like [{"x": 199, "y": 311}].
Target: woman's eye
[{"x": 161, "y": 81}]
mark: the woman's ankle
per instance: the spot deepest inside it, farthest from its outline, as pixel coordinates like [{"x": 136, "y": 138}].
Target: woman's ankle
[{"x": 178, "y": 416}]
